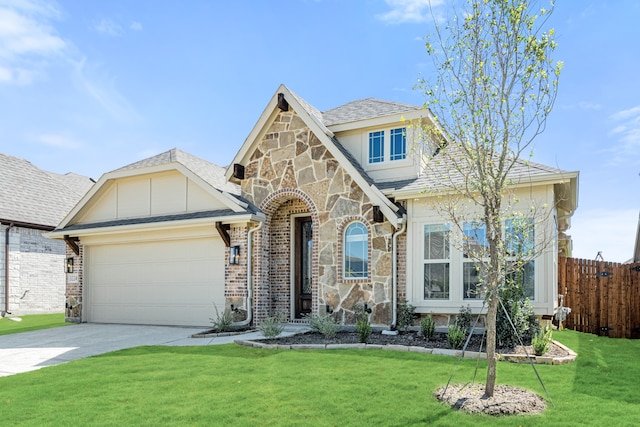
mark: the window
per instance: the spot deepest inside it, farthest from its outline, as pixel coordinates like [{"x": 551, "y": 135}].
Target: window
[
  {"x": 436, "y": 261},
  {"x": 356, "y": 251},
  {"x": 520, "y": 243},
  {"x": 475, "y": 250},
  {"x": 376, "y": 147},
  {"x": 398, "y": 139},
  {"x": 397, "y": 145}
]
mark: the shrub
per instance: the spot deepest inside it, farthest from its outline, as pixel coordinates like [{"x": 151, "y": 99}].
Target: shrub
[
  {"x": 222, "y": 322},
  {"x": 456, "y": 336},
  {"x": 427, "y": 327},
  {"x": 541, "y": 342},
  {"x": 406, "y": 314},
  {"x": 464, "y": 318},
  {"x": 326, "y": 325},
  {"x": 273, "y": 326},
  {"x": 363, "y": 326},
  {"x": 521, "y": 313}
]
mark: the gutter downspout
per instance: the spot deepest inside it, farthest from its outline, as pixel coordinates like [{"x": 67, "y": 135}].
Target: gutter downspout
[
  {"x": 247, "y": 321},
  {"x": 394, "y": 266},
  {"x": 6, "y": 268}
]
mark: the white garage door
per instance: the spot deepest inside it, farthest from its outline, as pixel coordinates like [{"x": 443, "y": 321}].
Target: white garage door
[{"x": 155, "y": 283}]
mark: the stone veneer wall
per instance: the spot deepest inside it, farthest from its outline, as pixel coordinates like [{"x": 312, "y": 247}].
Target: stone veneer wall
[{"x": 291, "y": 163}]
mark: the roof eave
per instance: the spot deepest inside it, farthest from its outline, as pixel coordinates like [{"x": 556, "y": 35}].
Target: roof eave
[
  {"x": 380, "y": 120},
  {"x": 154, "y": 226}
]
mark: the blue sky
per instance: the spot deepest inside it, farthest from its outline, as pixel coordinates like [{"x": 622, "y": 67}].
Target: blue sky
[{"x": 88, "y": 86}]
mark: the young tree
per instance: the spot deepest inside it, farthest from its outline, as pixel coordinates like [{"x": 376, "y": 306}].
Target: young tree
[{"x": 494, "y": 86}]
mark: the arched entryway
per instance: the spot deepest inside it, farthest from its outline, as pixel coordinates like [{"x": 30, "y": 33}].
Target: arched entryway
[{"x": 289, "y": 256}]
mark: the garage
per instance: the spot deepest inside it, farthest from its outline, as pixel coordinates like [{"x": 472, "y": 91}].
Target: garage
[{"x": 161, "y": 282}]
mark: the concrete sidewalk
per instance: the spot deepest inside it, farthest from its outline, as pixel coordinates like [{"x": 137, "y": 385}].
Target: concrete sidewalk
[{"x": 29, "y": 351}]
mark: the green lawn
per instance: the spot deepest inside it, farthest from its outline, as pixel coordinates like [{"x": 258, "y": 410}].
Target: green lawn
[
  {"x": 31, "y": 322},
  {"x": 233, "y": 385}
]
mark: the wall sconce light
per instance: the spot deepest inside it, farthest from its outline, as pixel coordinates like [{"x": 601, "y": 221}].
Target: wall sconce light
[
  {"x": 234, "y": 254},
  {"x": 69, "y": 266}
]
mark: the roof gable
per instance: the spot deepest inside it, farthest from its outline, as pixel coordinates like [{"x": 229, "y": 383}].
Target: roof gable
[
  {"x": 313, "y": 119},
  {"x": 126, "y": 192}
]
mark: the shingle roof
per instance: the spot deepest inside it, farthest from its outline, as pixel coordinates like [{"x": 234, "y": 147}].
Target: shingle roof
[
  {"x": 210, "y": 172},
  {"x": 31, "y": 195},
  {"x": 439, "y": 175},
  {"x": 154, "y": 219},
  {"x": 363, "y": 109}
]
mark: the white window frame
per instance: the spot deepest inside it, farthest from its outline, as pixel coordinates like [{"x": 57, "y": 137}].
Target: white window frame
[
  {"x": 437, "y": 261},
  {"x": 387, "y": 158},
  {"x": 363, "y": 274}
]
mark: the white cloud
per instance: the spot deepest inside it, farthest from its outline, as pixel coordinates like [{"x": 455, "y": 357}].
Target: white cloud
[
  {"x": 586, "y": 105},
  {"x": 612, "y": 232},
  {"x": 409, "y": 11},
  {"x": 135, "y": 26},
  {"x": 582, "y": 105},
  {"x": 57, "y": 141},
  {"x": 26, "y": 37},
  {"x": 627, "y": 132},
  {"x": 109, "y": 28},
  {"x": 94, "y": 81}
]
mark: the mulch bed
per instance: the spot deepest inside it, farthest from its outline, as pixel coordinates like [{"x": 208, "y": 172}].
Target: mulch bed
[{"x": 409, "y": 338}]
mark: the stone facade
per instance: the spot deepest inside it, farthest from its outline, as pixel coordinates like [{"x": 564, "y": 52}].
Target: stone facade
[
  {"x": 36, "y": 272},
  {"x": 291, "y": 173}
]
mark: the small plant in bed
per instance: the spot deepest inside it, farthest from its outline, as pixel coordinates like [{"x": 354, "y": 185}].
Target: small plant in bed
[
  {"x": 363, "y": 326},
  {"x": 222, "y": 322},
  {"x": 326, "y": 325},
  {"x": 273, "y": 325}
]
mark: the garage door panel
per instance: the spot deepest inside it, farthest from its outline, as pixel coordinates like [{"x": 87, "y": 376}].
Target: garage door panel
[
  {"x": 148, "y": 294},
  {"x": 156, "y": 272},
  {"x": 163, "y": 315},
  {"x": 162, "y": 282}
]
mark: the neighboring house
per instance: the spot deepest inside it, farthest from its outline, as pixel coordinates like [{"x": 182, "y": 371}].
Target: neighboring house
[
  {"x": 636, "y": 249},
  {"x": 32, "y": 202},
  {"x": 318, "y": 212}
]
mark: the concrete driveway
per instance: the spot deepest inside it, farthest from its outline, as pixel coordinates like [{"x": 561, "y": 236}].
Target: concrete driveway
[{"x": 29, "y": 351}]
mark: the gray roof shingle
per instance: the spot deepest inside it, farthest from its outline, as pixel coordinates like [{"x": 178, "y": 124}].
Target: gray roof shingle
[
  {"x": 31, "y": 195},
  {"x": 363, "y": 109},
  {"x": 439, "y": 175},
  {"x": 154, "y": 219},
  {"x": 210, "y": 172}
]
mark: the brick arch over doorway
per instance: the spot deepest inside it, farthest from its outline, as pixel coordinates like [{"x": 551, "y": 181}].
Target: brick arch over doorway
[{"x": 275, "y": 277}]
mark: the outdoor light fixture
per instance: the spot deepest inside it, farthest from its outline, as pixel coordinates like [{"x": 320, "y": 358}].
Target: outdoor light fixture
[
  {"x": 69, "y": 267},
  {"x": 234, "y": 254}
]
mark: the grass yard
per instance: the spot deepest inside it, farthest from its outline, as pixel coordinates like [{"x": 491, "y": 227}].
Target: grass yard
[
  {"x": 31, "y": 322},
  {"x": 233, "y": 385}
]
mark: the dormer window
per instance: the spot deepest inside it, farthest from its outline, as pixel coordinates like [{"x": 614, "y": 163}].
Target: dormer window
[
  {"x": 397, "y": 145},
  {"x": 376, "y": 147}
]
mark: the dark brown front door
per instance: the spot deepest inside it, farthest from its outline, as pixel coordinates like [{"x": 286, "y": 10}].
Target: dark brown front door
[{"x": 303, "y": 273}]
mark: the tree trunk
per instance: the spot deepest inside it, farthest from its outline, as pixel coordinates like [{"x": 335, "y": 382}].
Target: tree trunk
[{"x": 491, "y": 343}]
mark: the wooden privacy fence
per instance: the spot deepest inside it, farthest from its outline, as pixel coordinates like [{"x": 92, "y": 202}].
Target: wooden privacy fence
[{"x": 604, "y": 297}]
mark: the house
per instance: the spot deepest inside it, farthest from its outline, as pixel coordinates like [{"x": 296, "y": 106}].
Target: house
[
  {"x": 318, "y": 212},
  {"x": 33, "y": 202}
]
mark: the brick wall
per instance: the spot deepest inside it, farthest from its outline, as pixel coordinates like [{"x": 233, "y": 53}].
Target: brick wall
[
  {"x": 36, "y": 272},
  {"x": 74, "y": 281}
]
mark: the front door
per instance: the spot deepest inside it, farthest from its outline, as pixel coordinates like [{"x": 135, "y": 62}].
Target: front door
[{"x": 303, "y": 249}]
